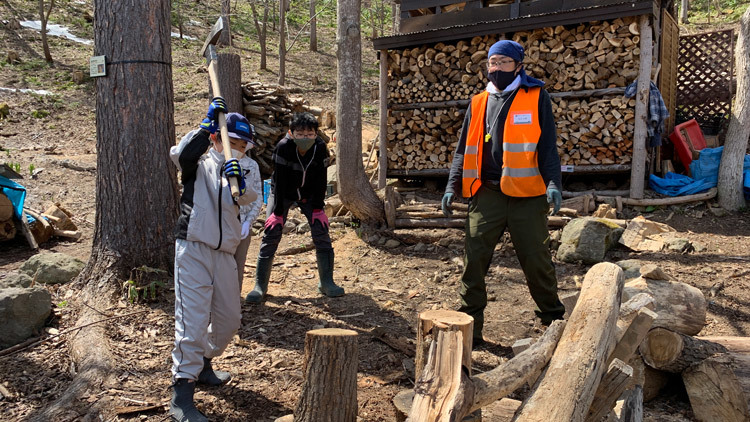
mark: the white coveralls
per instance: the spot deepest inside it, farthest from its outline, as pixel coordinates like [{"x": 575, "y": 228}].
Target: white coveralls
[{"x": 207, "y": 298}]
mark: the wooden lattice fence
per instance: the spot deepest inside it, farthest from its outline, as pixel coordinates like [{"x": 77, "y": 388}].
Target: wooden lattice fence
[{"x": 705, "y": 79}]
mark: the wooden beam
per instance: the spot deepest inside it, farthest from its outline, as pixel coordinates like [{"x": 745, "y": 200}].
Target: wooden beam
[
  {"x": 383, "y": 101},
  {"x": 670, "y": 200},
  {"x": 638, "y": 170},
  {"x": 614, "y": 382}
]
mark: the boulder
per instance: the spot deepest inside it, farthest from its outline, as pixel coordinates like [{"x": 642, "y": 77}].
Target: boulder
[
  {"x": 52, "y": 268},
  {"x": 631, "y": 268},
  {"x": 587, "y": 239},
  {"x": 22, "y": 313},
  {"x": 15, "y": 280}
]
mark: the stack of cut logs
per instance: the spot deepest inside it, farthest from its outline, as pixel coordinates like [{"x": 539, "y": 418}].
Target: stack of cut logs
[
  {"x": 269, "y": 108},
  {"x": 423, "y": 139},
  {"x": 595, "y": 131},
  {"x": 569, "y": 60}
]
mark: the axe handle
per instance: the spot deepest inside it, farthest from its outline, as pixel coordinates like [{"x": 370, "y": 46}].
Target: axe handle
[{"x": 226, "y": 146}]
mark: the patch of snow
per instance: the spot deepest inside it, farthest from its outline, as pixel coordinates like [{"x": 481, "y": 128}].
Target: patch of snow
[
  {"x": 26, "y": 91},
  {"x": 187, "y": 37},
  {"x": 55, "y": 30}
]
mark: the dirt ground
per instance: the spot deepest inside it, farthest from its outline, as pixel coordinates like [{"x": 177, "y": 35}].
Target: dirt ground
[{"x": 386, "y": 286}]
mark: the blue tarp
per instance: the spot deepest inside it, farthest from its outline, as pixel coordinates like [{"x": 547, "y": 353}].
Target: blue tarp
[
  {"x": 674, "y": 184},
  {"x": 15, "y": 192},
  {"x": 705, "y": 171},
  {"x": 746, "y": 186}
]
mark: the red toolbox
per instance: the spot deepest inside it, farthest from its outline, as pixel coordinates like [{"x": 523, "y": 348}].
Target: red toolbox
[{"x": 688, "y": 140}]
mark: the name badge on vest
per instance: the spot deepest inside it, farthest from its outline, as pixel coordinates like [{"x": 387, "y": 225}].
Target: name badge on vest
[{"x": 521, "y": 118}]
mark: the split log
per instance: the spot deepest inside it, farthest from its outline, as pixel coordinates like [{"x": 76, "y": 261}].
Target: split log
[
  {"x": 6, "y": 208},
  {"x": 674, "y": 352},
  {"x": 7, "y": 230},
  {"x": 444, "y": 382},
  {"x": 566, "y": 390},
  {"x": 634, "y": 335},
  {"x": 614, "y": 382},
  {"x": 432, "y": 321},
  {"x": 715, "y": 392},
  {"x": 329, "y": 392},
  {"x": 40, "y": 228},
  {"x": 698, "y": 197},
  {"x": 651, "y": 380},
  {"x": 60, "y": 217},
  {"x": 681, "y": 307}
]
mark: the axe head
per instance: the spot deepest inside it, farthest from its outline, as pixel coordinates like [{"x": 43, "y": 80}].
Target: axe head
[{"x": 208, "y": 50}]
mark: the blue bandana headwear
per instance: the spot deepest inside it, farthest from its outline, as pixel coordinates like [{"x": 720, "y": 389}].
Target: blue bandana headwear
[{"x": 507, "y": 48}]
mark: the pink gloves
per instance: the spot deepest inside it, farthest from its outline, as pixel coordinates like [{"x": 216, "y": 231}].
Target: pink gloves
[
  {"x": 272, "y": 221},
  {"x": 320, "y": 215}
]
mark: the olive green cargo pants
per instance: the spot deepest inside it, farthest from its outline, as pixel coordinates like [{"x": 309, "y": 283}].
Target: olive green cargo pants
[{"x": 490, "y": 213}]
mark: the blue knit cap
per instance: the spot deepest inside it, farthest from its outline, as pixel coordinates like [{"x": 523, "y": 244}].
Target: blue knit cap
[{"x": 507, "y": 48}]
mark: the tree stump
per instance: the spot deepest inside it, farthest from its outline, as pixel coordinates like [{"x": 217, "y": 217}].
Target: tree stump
[
  {"x": 670, "y": 351},
  {"x": 443, "y": 319},
  {"x": 230, "y": 81},
  {"x": 566, "y": 389},
  {"x": 329, "y": 393}
]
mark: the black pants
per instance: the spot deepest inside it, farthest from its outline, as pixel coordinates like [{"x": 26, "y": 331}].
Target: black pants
[{"x": 272, "y": 237}]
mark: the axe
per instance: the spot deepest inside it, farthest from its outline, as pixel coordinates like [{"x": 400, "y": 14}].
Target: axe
[{"x": 209, "y": 52}]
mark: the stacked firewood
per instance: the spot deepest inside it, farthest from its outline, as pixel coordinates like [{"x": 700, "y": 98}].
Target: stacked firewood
[
  {"x": 595, "y": 131},
  {"x": 269, "y": 108},
  {"x": 594, "y": 128},
  {"x": 423, "y": 139}
]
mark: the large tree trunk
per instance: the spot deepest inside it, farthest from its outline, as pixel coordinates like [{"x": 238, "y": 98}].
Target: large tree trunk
[
  {"x": 715, "y": 392},
  {"x": 136, "y": 185},
  {"x": 566, "y": 389},
  {"x": 282, "y": 41},
  {"x": 735, "y": 145},
  {"x": 680, "y": 306},
  {"x": 355, "y": 190},
  {"x": 684, "y": 7},
  {"x": 313, "y": 28}
]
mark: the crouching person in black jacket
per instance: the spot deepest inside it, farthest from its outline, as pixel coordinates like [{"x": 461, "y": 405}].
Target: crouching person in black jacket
[{"x": 299, "y": 177}]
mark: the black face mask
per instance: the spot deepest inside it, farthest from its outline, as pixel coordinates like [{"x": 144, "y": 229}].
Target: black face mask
[{"x": 501, "y": 79}]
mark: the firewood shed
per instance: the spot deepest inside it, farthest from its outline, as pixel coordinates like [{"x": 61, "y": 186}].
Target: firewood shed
[{"x": 587, "y": 52}]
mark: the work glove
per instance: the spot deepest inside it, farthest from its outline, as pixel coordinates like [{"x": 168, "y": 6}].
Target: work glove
[
  {"x": 232, "y": 169},
  {"x": 554, "y": 198},
  {"x": 272, "y": 221},
  {"x": 211, "y": 122},
  {"x": 320, "y": 215},
  {"x": 447, "y": 203},
  {"x": 245, "y": 230}
]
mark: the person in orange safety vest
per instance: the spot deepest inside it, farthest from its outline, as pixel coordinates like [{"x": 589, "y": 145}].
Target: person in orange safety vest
[{"x": 507, "y": 163}]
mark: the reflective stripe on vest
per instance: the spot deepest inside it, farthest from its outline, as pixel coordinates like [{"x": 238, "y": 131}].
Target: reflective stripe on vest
[
  {"x": 521, "y": 177},
  {"x": 471, "y": 177}
]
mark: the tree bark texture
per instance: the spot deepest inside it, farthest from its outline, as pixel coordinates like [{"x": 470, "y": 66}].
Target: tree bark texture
[
  {"x": 230, "y": 81},
  {"x": 632, "y": 410},
  {"x": 313, "y": 27},
  {"x": 614, "y": 383},
  {"x": 430, "y": 322},
  {"x": 735, "y": 145},
  {"x": 329, "y": 393},
  {"x": 670, "y": 351},
  {"x": 739, "y": 350},
  {"x": 282, "y": 41},
  {"x": 355, "y": 190},
  {"x": 680, "y": 307},
  {"x": 136, "y": 187},
  {"x": 566, "y": 389},
  {"x": 44, "y": 18},
  {"x": 684, "y": 8},
  {"x": 226, "y": 38},
  {"x": 715, "y": 392}
]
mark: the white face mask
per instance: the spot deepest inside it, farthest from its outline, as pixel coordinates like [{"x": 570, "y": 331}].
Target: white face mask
[{"x": 237, "y": 154}]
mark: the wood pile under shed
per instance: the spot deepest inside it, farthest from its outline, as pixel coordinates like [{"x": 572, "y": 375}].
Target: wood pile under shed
[
  {"x": 586, "y": 68},
  {"x": 269, "y": 108}
]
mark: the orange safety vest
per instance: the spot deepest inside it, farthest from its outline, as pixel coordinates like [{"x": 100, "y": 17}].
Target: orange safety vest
[{"x": 520, "y": 177}]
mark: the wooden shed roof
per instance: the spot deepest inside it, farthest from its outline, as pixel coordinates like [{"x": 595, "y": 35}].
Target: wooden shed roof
[{"x": 510, "y": 18}]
